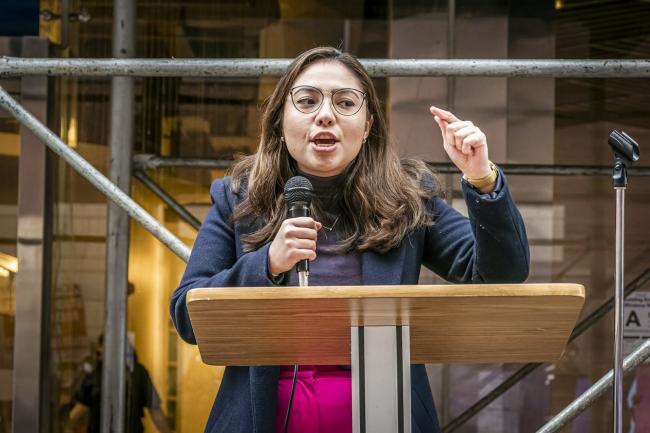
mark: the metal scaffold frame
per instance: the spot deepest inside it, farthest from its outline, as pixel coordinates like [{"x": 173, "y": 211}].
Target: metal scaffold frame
[
  {"x": 239, "y": 68},
  {"x": 20, "y": 67}
]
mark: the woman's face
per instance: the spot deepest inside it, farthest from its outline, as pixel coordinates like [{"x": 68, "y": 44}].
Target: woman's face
[{"x": 324, "y": 142}]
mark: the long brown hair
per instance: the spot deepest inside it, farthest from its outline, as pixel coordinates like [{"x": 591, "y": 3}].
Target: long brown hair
[{"x": 382, "y": 198}]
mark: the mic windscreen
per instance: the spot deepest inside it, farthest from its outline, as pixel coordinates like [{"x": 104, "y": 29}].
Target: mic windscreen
[{"x": 298, "y": 189}]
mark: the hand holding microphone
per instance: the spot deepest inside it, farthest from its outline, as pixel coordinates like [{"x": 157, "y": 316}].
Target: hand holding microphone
[{"x": 295, "y": 242}]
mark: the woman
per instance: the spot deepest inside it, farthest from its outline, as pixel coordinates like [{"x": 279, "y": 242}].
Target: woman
[{"x": 376, "y": 220}]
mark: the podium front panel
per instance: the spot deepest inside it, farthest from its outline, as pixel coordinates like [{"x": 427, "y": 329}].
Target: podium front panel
[{"x": 448, "y": 323}]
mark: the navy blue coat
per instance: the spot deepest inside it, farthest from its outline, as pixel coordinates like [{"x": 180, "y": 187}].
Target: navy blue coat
[{"x": 489, "y": 247}]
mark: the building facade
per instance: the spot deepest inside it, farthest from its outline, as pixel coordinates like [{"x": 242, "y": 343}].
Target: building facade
[{"x": 528, "y": 121}]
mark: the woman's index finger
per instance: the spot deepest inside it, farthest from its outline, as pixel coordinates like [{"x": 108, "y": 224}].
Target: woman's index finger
[
  {"x": 307, "y": 222},
  {"x": 443, "y": 114}
]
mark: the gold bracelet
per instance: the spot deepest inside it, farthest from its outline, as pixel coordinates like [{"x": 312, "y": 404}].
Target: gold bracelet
[{"x": 488, "y": 180}]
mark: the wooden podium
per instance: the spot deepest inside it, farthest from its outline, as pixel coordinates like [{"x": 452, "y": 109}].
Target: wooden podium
[{"x": 381, "y": 329}]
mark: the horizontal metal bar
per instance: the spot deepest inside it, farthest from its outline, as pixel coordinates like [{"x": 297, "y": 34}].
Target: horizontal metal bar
[
  {"x": 148, "y": 161},
  {"x": 574, "y": 409},
  {"x": 548, "y": 68},
  {"x": 180, "y": 210},
  {"x": 145, "y": 161},
  {"x": 548, "y": 169},
  {"x": 94, "y": 176},
  {"x": 526, "y": 369}
]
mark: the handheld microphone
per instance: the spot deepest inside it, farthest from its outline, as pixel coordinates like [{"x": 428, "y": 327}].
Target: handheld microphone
[{"x": 298, "y": 194}]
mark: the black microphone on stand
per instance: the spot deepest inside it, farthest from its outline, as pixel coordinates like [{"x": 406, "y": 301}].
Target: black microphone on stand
[
  {"x": 626, "y": 153},
  {"x": 298, "y": 194}
]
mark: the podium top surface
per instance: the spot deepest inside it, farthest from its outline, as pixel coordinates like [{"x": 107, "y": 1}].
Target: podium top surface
[{"x": 448, "y": 323}]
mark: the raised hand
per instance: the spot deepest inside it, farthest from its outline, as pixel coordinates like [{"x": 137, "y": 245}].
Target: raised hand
[{"x": 464, "y": 142}]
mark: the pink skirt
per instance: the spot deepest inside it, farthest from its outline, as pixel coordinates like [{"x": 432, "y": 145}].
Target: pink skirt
[{"x": 322, "y": 402}]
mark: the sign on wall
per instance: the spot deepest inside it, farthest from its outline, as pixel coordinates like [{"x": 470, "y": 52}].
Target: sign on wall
[{"x": 636, "y": 320}]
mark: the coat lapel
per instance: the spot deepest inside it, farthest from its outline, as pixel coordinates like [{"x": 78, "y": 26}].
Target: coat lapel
[
  {"x": 382, "y": 269},
  {"x": 264, "y": 390}
]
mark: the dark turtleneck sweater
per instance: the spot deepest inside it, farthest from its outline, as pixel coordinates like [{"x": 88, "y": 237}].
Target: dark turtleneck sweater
[{"x": 332, "y": 267}]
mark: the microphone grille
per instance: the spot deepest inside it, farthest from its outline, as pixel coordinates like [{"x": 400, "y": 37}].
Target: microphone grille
[{"x": 298, "y": 189}]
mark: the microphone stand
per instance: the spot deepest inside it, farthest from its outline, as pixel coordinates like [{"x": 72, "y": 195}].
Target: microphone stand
[
  {"x": 620, "y": 182},
  {"x": 626, "y": 152}
]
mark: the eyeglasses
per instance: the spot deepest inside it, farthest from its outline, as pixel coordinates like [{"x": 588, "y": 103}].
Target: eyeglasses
[{"x": 308, "y": 99}]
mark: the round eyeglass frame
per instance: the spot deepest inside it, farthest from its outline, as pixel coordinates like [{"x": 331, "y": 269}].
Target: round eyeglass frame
[{"x": 363, "y": 99}]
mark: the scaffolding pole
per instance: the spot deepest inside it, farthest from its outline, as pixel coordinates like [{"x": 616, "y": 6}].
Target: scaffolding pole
[
  {"x": 224, "y": 68},
  {"x": 113, "y": 393},
  {"x": 94, "y": 176},
  {"x": 146, "y": 161},
  {"x": 574, "y": 409},
  {"x": 160, "y": 192}
]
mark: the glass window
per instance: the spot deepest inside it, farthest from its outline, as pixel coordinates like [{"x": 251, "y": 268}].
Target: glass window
[
  {"x": 570, "y": 219},
  {"x": 9, "y": 154}
]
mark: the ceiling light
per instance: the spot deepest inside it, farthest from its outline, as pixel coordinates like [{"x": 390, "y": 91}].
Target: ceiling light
[{"x": 8, "y": 262}]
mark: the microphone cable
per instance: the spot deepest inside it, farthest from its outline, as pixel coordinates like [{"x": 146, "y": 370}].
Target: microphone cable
[{"x": 293, "y": 388}]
